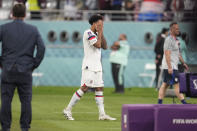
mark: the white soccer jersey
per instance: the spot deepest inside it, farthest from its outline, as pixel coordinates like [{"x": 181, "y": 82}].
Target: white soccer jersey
[
  {"x": 92, "y": 55},
  {"x": 171, "y": 44}
]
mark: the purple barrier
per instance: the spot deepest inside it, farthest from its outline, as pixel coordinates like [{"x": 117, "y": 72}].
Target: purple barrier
[
  {"x": 176, "y": 118},
  {"x": 137, "y": 117},
  {"x": 188, "y": 84},
  {"x": 193, "y": 85},
  {"x": 148, "y": 117},
  {"x": 182, "y": 79}
]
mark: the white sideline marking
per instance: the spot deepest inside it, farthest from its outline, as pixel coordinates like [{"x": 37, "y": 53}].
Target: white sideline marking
[
  {"x": 87, "y": 113},
  {"x": 114, "y": 128}
]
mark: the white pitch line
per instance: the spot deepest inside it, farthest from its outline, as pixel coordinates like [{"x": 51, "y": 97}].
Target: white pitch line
[
  {"x": 118, "y": 128},
  {"x": 79, "y": 112},
  {"x": 86, "y": 113}
]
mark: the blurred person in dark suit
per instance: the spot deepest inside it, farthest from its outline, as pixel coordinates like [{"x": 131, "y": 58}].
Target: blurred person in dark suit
[
  {"x": 0, "y": 3},
  {"x": 19, "y": 41},
  {"x": 21, "y": 1},
  {"x": 159, "y": 52}
]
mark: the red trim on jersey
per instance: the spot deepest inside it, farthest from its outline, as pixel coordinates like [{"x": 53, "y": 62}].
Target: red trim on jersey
[
  {"x": 91, "y": 37},
  {"x": 99, "y": 96},
  {"x": 156, "y": 1},
  {"x": 84, "y": 85},
  {"x": 77, "y": 94}
]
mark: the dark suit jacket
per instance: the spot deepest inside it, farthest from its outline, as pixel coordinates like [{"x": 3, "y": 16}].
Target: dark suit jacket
[
  {"x": 19, "y": 41},
  {"x": 159, "y": 48}
]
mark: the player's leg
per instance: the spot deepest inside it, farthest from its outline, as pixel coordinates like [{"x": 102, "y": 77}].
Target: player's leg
[
  {"x": 121, "y": 79},
  {"x": 162, "y": 92},
  {"x": 179, "y": 95},
  {"x": 115, "y": 70},
  {"x": 99, "y": 84},
  {"x": 177, "y": 88},
  {"x": 99, "y": 98},
  {"x": 100, "y": 103},
  {"x": 7, "y": 93},
  {"x": 75, "y": 98},
  {"x": 78, "y": 94},
  {"x": 166, "y": 82}
]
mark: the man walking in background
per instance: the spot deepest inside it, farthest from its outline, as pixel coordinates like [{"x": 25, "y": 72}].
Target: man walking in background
[
  {"x": 19, "y": 41},
  {"x": 170, "y": 61},
  {"x": 92, "y": 73},
  {"x": 119, "y": 60}
]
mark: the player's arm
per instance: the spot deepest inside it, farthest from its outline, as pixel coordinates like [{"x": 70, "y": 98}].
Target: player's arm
[
  {"x": 115, "y": 46},
  {"x": 99, "y": 40},
  {"x": 182, "y": 61},
  {"x": 168, "y": 45},
  {"x": 103, "y": 42},
  {"x": 167, "y": 55}
]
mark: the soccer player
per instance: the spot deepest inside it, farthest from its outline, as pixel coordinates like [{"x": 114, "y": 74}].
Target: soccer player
[
  {"x": 93, "y": 41},
  {"x": 170, "y": 61}
]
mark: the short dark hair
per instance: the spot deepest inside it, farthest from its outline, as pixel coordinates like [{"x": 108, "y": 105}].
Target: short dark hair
[
  {"x": 173, "y": 23},
  {"x": 164, "y": 30},
  {"x": 95, "y": 18},
  {"x": 19, "y": 10}
]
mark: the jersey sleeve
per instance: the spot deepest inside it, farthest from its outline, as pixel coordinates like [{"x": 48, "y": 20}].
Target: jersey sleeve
[
  {"x": 168, "y": 44},
  {"x": 91, "y": 38}
]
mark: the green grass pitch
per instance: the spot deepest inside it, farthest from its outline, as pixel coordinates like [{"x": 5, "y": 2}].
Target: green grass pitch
[{"x": 48, "y": 103}]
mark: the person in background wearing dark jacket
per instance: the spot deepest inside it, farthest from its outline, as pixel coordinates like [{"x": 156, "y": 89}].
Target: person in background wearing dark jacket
[
  {"x": 159, "y": 52},
  {"x": 19, "y": 41}
]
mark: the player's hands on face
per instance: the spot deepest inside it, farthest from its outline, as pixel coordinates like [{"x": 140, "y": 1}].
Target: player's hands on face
[
  {"x": 99, "y": 26},
  {"x": 170, "y": 70}
]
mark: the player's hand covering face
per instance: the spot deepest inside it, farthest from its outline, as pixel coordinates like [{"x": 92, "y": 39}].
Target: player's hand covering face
[{"x": 99, "y": 26}]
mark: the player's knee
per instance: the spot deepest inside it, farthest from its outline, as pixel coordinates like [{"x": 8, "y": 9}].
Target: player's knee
[
  {"x": 99, "y": 89},
  {"x": 84, "y": 89}
]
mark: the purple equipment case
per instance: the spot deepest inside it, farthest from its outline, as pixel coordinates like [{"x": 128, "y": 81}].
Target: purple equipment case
[
  {"x": 176, "y": 118},
  {"x": 188, "y": 84},
  {"x": 149, "y": 117},
  {"x": 137, "y": 117}
]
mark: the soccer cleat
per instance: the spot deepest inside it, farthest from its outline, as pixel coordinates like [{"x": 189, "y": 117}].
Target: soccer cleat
[
  {"x": 106, "y": 117},
  {"x": 68, "y": 114}
]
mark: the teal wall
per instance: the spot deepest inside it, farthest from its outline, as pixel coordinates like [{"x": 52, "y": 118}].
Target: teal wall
[{"x": 62, "y": 66}]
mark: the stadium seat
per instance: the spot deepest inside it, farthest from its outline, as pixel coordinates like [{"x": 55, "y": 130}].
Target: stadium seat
[
  {"x": 149, "y": 71},
  {"x": 37, "y": 75}
]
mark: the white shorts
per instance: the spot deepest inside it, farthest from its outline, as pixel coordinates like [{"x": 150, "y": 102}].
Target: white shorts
[{"x": 92, "y": 79}]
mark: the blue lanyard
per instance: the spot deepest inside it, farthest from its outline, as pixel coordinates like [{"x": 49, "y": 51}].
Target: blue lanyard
[{"x": 172, "y": 80}]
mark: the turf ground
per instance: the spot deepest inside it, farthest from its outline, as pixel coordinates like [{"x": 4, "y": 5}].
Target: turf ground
[{"x": 48, "y": 103}]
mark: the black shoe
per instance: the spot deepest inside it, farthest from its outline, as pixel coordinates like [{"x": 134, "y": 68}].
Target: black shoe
[
  {"x": 5, "y": 130},
  {"x": 24, "y": 129}
]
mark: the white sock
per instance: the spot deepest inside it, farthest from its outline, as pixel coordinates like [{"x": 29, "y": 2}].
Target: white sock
[
  {"x": 75, "y": 98},
  {"x": 100, "y": 101}
]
